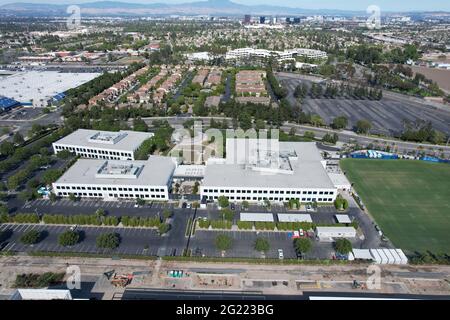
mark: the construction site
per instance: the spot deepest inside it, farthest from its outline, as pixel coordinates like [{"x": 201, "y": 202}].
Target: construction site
[{"x": 108, "y": 279}]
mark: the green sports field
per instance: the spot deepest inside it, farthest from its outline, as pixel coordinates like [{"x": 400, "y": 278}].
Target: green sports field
[{"x": 410, "y": 200}]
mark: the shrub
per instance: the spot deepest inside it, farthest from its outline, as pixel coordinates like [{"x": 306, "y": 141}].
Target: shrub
[
  {"x": 223, "y": 242},
  {"x": 68, "y": 238},
  {"x": 108, "y": 240},
  {"x": 204, "y": 224},
  {"x": 30, "y": 237},
  {"x": 221, "y": 224},
  {"x": 164, "y": 228},
  {"x": 245, "y": 225},
  {"x": 262, "y": 244},
  {"x": 32, "y": 280},
  {"x": 227, "y": 214}
]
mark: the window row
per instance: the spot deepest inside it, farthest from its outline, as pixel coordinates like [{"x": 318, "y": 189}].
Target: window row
[
  {"x": 222, "y": 191},
  {"x": 94, "y": 151},
  {"x": 273, "y": 199},
  {"x": 125, "y": 195},
  {"x": 110, "y": 189}
]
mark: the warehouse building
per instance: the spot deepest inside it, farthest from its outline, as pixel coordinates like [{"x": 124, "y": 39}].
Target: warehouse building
[
  {"x": 268, "y": 170},
  {"x": 112, "y": 179},
  {"x": 106, "y": 145},
  {"x": 7, "y": 104}
]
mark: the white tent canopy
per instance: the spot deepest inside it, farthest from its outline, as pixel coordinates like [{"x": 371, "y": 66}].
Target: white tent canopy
[
  {"x": 258, "y": 217},
  {"x": 292, "y": 217}
]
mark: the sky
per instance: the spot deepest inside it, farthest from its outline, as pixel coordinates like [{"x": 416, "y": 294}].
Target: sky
[{"x": 357, "y": 5}]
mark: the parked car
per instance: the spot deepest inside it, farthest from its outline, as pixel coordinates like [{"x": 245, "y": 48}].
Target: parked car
[
  {"x": 232, "y": 206},
  {"x": 73, "y": 228},
  {"x": 280, "y": 254}
]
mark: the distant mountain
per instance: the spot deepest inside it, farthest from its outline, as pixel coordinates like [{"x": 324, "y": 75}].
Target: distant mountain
[{"x": 112, "y": 8}]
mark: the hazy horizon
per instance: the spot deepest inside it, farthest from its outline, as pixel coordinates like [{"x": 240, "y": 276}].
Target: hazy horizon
[{"x": 354, "y": 5}]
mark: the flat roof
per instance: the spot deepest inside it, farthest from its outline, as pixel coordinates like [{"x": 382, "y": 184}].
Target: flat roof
[
  {"x": 41, "y": 85},
  {"x": 156, "y": 171},
  {"x": 190, "y": 171},
  {"x": 264, "y": 217},
  {"x": 335, "y": 229},
  {"x": 343, "y": 218},
  {"x": 306, "y": 171},
  {"x": 294, "y": 217},
  {"x": 122, "y": 140},
  {"x": 363, "y": 254}
]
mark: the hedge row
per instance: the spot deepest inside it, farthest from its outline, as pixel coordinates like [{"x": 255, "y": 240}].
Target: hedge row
[{"x": 140, "y": 222}]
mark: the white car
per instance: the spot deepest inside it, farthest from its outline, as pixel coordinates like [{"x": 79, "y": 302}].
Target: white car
[
  {"x": 73, "y": 228},
  {"x": 280, "y": 254}
]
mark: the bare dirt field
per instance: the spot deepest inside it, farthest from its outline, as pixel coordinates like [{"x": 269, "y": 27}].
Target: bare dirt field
[
  {"x": 440, "y": 76},
  {"x": 266, "y": 279}
]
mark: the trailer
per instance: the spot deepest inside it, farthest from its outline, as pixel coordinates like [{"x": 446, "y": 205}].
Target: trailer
[
  {"x": 376, "y": 256},
  {"x": 402, "y": 255},
  {"x": 391, "y": 258}
]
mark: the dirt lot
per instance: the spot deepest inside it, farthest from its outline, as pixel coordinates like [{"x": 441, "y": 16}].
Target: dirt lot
[
  {"x": 268, "y": 279},
  {"x": 440, "y": 76}
]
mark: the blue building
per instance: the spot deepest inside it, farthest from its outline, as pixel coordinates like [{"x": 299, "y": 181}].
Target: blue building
[{"x": 7, "y": 104}]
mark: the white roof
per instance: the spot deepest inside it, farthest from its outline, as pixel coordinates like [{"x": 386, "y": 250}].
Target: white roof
[
  {"x": 300, "y": 167},
  {"x": 336, "y": 230},
  {"x": 42, "y": 294},
  {"x": 36, "y": 85},
  {"x": 123, "y": 140},
  {"x": 343, "y": 218},
  {"x": 192, "y": 171},
  {"x": 294, "y": 217},
  {"x": 260, "y": 217},
  {"x": 362, "y": 254},
  {"x": 156, "y": 171}
]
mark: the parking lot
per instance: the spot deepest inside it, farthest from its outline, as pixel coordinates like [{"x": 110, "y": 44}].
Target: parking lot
[
  {"x": 387, "y": 115},
  {"x": 89, "y": 206},
  {"x": 134, "y": 241},
  {"x": 21, "y": 113}
]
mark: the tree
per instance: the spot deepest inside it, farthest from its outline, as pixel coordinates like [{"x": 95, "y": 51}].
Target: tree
[
  {"x": 51, "y": 176},
  {"x": 163, "y": 228},
  {"x": 340, "y": 122},
  {"x": 227, "y": 214},
  {"x": 262, "y": 245},
  {"x": 108, "y": 240},
  {"x": 363, "y": 126},
  {"x": 223, "y": 202},
  {"x": 140, "y": 202},
  {"x": 68, "y": 238},
  {"x": 140, "y": 125},
  {"x": 30, "y": 237},
  {"x": 302, "y": 245},
  {"x": 6, "y": 148},
  {"x": 223, "y": 242},
  {"x": 18, "y": 138},
  {"x": 72, "y": 197},
  {"x": 100, "y": 213},
  {"x": 167, "y": 214},
  {"x": 343, "y": 246},
  {"x": 245, "y": 204}
]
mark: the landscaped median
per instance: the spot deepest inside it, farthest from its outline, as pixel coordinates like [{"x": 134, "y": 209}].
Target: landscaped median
[
  {"x": 88, "y": 220},
  {"x": 225, "y": 225}
]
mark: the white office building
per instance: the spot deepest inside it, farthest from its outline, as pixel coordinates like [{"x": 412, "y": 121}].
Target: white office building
[
  {"x": 112, "y": 179},
  {"x": 268, "y": 169},
  {"x": 106, "y": 145},
  {"x": 280, "y": 55}
]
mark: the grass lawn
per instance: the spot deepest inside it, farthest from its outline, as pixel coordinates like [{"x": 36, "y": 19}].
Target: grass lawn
[{"x": 410, "y": 200}]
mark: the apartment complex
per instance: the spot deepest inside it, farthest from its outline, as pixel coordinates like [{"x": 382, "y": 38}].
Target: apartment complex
[
  {"x": 102, "y": 144},
  {"x": 280, "y": 55}
]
